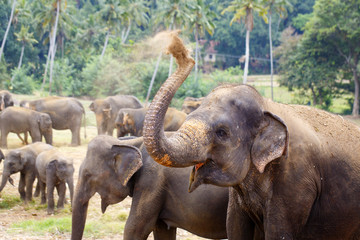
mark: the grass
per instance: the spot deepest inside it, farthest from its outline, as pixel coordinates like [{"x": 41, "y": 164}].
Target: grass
[{"x": 9, "y": 201}]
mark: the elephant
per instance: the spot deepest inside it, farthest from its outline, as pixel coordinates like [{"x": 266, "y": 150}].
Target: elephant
[
  {"x": 106, "y": 110},
  {"x": 190, "y": 104},
  {"x": 54, "y": 170},
  {"x": 160, "y": 199},
  {"x": 294, "y": 171},
  {"x": 22, "y": 120},
  {"x": 6, "y": 99},
  {"x": 23, "y": 160},
  {"x": 65, "y": 113},
  {"x": 130, "y": 120}
]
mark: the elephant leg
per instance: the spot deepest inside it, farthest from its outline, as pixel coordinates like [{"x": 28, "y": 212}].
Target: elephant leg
[
  {"x": 162, "y": 231},
  {"x": 26, "y": 138},
  {"x": 21, "y": 187},
  {"x": 75, "y": 132},
  {"x": 35, "y": 135},
  {"x": 42, "y": 187},
  {"x": 37, "y": 189},
  {"x": 50, "y": 184},
  {"x": 4, "y": 135},
  {"x": 30, "y": 178},
  {"x": 61, "y": 189}
]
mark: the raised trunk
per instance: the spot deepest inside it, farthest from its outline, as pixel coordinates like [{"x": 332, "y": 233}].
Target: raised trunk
[
  {"x": 7, "y": 29},
  {"x": 5, "y": 178},
  {"x": 173, "y": 151}
]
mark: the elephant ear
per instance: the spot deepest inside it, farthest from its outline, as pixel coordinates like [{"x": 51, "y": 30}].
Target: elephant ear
[
  {"x": 270, "y": 143},
  {"x": 127, "y": 161},
  {"x": 2, "y": 156}
]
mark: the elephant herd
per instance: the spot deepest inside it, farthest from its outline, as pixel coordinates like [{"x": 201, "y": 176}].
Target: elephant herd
[{"x": 239, "y": 166}]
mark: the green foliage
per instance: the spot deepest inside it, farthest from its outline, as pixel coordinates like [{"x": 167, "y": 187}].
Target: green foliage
[
  {"x": 22, "y": 83},
  {"x": 9, "y": 201},
  {"x": 49, "y": 225}
]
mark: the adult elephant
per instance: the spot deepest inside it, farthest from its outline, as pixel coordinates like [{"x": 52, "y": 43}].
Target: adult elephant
[
  {"x": 22, "y": 120},
  {"x": 190, "y": 104},
  {"x": 6, "y": 99},
  {"x": 160, "y": 198},
  {"x": 106, "y": 110},
  {"x": 65, "y": 113},
  {"x": 23, "y": 160},
  {"x": 131, "y": 121},
  {"x": 295, "y": 170}
]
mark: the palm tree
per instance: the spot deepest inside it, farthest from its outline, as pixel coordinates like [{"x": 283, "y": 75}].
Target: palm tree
[
  {"x": 135, "y": 10},
  {"x": 112, "y": 15},
  {"x": 25, "y": 38},
  {"x": 278, "y": 6},
  {"x": 202, "y": 20},
  {"x": 244, "y": 9},
  {"x": 8, "y": 28}
]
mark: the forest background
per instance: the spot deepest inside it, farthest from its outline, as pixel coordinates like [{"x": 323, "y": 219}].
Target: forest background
[{"x": 97, "y": 48}]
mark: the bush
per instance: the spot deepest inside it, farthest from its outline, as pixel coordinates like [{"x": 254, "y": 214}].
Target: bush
[{"x": 22, "y": 83}]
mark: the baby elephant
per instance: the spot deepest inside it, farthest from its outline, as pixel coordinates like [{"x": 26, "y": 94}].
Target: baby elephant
[
  {"x": 23, "y": 160},
  {"x": 54, "y": 170},
  {"x": 22, "y": 120},
  {"x": 160, "y": 198}
]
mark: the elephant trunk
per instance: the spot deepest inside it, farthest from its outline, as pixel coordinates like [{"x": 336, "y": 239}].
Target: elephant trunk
[
  {"x": 5, "y": 178},
  {"x": 173, "y": 151},
  {"x": 80, "y": 205},
  {"x": 70, "y": 183},
  {"x": 48, "y": 137}
]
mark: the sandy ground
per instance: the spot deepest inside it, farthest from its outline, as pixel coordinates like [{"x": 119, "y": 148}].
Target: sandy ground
[{"x": 22, "y": 212}]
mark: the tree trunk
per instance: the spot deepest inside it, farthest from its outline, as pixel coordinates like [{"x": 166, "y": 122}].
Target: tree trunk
[
  {"x": 46, "y": 66},
  {"x": 105, "y": 44},
  {"x": 247, "y": 45},
  {"x": 271, "y": 60},
  {"x": 127, "y": 33},
  {"x": 53, "y": 45},
  {"x": 153, "y": 79},
  {"x": 196, "y": 56},
  {"x": 20, "y": 60},
  {"x": 355, "y": 111},
  {"x": 8, "y": 28}
]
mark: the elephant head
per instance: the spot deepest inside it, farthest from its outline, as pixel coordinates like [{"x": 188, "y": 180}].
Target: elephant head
[
  {"x": 106, "y": 169},
  {"x": 6, "y": 99},
  {"x": 229, "y": 134},
  {"x": 119, "y": 123},
  {"x": 45, "y": 126},
  {"x": 103, "y": 111},
  {"x": 14, "y": 162}
]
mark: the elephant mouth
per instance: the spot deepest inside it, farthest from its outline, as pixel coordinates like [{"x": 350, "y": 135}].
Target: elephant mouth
[{"x": 193, "y": 181}]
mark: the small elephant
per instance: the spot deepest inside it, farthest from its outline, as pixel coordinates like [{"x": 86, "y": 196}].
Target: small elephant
[
  {"x": 191, "y": 104},
  {"x": 106, "y": 110},
  {"x": 294, "y": 171},
  {"x": 19, "y": 120},
  {"x": 160, "y": 199},
  {"x": 6, "y": 99},
  {"x": 54, "y": 170},
  {"x": 23, "y": 160},
  {"x": 131, "y": 121},
  {"x": 65, "y": 113}
]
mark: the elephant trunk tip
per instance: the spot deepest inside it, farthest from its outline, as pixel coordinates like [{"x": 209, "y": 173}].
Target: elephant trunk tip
[{"x": 178, "y": 49}]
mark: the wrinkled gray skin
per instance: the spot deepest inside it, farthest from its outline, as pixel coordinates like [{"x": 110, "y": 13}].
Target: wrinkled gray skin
[
  {"x": 131, "y": 121},
  {"x": 106, "y": 111},
  {"x": 54, "y": 171},
  {"x": 6, "y": 99},
  {"x": 160, "y": 199},
  {"x": 295, "y": 170},
  {"x": 65, "y": 113},
  {"x": 18, "y": 120},
  {"x": 23, "y": 160}
]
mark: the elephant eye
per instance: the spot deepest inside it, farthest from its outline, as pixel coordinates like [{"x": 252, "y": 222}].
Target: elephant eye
[{"x": 221, "y": 133}]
